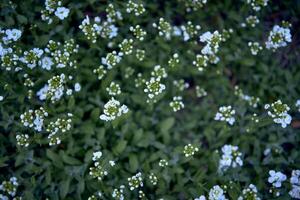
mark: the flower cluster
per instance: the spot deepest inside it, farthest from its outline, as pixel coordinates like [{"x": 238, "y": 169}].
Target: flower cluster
[
  {"x": 254, "y": 47},
  {"x": 278, "y": 37},
  {"x": 112, "y": 110},
  {"x": 257, "y": 4},
  {"x": 138, "y": 32},
  {"x": 32, "y": 57},
  {"x": 126, "y": 46},
  {"x": 193, "y": 4},
  {"x": 135, "y": 181},
  {"x": 98, "y": 170},
  {"x": 279, "y": 112},
  {"x": 112, "y": 59},
  {"x": 251, "y": 21},
  {"x": 190, "y": 150},
  {"x": 181, "y": 85},
  {"x": 8, "y": 36},
  {"x": 54, "y": 7},
  {"x": 295, "y": 182},
  {"x": 177, "y": 103},
  {"x": 154, "y": 87},
  {"x": 54, "y": 89},
  {"x": 164, "y": 28},
  {"x": 140, "y": 54},
  {"x": 113, "y": 89},
  {"x": 189, "y": 31},
  {"x": 163, "y": 163},
  {"x": 276, "y": 179},
  {"x": 231, "y": 157},
  {"x": 60, "y": 125},
  {"x": 200, "y": 92},
  {"x": 137, "y": 8},
  {"x": 173, "y": 61},
  {"x": 249, "y": 193},
  {"x": 118, "y": 194},
  {"x": 252, "y": 101},
  {"x": 226, "y": 113},
  {"x": 153, "y": 179},
  {"x": 93, "y": 29},
  {"x": 22, "y": 140},
  {"x": 100, "y": 72},
  {"x": 10, "y": 187},
  {"x": 215, "y": 193},
  {"x": 34, "y": 118}
]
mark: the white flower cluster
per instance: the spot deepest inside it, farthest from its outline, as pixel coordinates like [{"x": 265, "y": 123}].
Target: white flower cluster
[
  {"x": 211, "y": 48},
  {"x": 113, "y": 89},
  {"x": 279, "y": 112},
  {"x": 54, "y": 90},
  {"x": 252, "y": 101},
  {"x": 153, "y": 179},
  {"x": 32, "y": 57},
  {"x": 189, "y": 31},
  {"x": 251, "y": 21},
  {"x": 60, "y": 125},
  {"x": 138, "y": 32},
  {"x": 100, "y": 72},
  {"x": 215, "y": 193},
  {"x": 54, "y": 7},
  {"x": 295, "y": 182},
  {"x": 10, "y": 187},
  {"x": 181, "y": 85},
  {"x": 231, "y": 157},
  {"x": 163, "y": 163},
  {"x": 173, "y": 61},
  {"x": 154, "y": 87},
  {"x": 177, "y": 103},
  {"x": 200, "y": 92},
  {"x": 190, "y": 150},
  {"x": 249, "y": 193},
  {"x": 257, "y": 4},
  {"x": 22, "y": 140},
  {"x": 226, "y": 113},
  {"x": 276, "y": 179},
  {"x": 98, "y": 170},
  {"x": 193, "y": 4},
  {"x": 254, "y": 47},
  {"x": 9, "y": 35},
  {"x": 137, "y": 8},
  {"x": 9, "y": 55},
  {"x": 118, "y": 194},
  {"x": 112, "y": 59},
  {"x": 126, "y": 46},
  {"x": 34, "y": 118},
  {"x": 94, "y": 29},
  {"x": 135, "y": 181},
  {"x": 278, "y": 37},
  {"x": 164, "y": 28},
  {"x": 112, "y": 110}
]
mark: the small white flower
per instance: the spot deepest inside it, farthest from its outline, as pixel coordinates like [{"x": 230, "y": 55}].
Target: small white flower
[
  {"x": 62, "y": 12},
  {"x": 97, "y": 155},
  {"x": 276, "y": 178},
  {"x": 77, "y": 87}
]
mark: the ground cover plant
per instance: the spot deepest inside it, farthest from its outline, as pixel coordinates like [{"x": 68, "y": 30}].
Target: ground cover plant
[{"x": 140, "y": 99}]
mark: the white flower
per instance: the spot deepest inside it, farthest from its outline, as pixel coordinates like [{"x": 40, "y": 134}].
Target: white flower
[
  {"x": 46, "y": 63},
  {"x": 97, "y": 155},
  {"x": 77, "y": 87},
  {"x": 12, "y": 34},
  {"x": 231, "y": 158},
  {"x": 112, "y": 110},
  {"x": 1, "y": 98},
  {"x": 62, "y": 12},
  {"x": 200, "y": 198},
  {"x": 112, "y": 163},
  {"x": 295, "y": 192},
  {"x": 276, "y": 178},
  {"x": 216, "y": 193}
]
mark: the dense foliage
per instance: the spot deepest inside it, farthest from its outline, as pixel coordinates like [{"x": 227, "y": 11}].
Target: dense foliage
[{"x": 152, "y": 99}]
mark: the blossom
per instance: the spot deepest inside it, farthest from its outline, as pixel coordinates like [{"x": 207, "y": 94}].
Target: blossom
[
  {"x": 225, "y": 114},
  {"x": 12, "y": 35},
  {"x": 278, "y": 37},
  {"x": 279, "y": 112},
  {"x": 249, "y": 193},
  {"x": 276, "y": 178},
  {"x": 135, "y": 181},
  {"x": 177, "y": 103},
  {"x": 62, "y": 12},
  {"x": 112, "y": 110},
  {"x": 231, "y": 157},
  {"x": 216, "y": 193},
  {"x": 190, "y": 150},
  {"x": 46, "y": 63}
]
